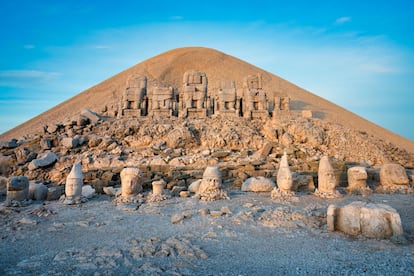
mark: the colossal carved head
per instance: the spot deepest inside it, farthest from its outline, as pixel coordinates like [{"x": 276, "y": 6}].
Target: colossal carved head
[{"x": 131, "y": 182}]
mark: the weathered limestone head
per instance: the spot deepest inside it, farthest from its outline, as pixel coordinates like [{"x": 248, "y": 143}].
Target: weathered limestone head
[
  {"x": 17, "y": 188},
  {"x": 284, "y": 175},
  {"x": 393, "y": 174},
  {"x": 209, "y": 187},
  {"x": 211, "y": 179},
  {"x": 74, "y": 182},
  {"x": 357, "y": 179},
  {"x": 131, "y": 182},
  {"x": 326, "y": 176}
]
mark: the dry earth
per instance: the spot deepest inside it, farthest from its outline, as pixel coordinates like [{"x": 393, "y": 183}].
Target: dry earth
[{"x": 250, "y": 234}]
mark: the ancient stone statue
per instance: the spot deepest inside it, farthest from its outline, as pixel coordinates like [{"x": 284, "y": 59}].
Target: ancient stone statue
[
  {"x": 326, "y": 180},
  {"x": 161, "y": 101},
  {"x": 131, "y": 182},
  {"x": 284, "y": 176},
  {"x": 254, "y": 97},
  {"x": 194, "y": 93},
  {"x": 284, "y": 180},
  {"x": 73, "y": 186},
  {"x": 134, "y": 95},
  {"x": 226, "y": 99},
  {"x": 367, "y": 219},
  {"x": 17, "y": 190},
  {"x": 209, "y": 187},
  {"x": 131, "y": 186},
  {"x": 357, "y": 180},
  {"x": 393, "y": 178}
]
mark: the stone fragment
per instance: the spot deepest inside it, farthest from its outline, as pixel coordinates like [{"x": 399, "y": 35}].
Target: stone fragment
[
  {"x": 52, "y": 128},
  {"x": 111, "y": 191},
  {"x": 209, "y": 188},
  {"x": 69, "y": 142},
  {"x": 371, "y": 220},
  {"x": 184, "y": 194},
  {"x": 55, "y": 192},
  {"x": 203, "y": 212},
  {"x": 357, "y": 180},
  {"x": 8, "y": 144},
  {"x": 393, "y": 178},
  {"x": 88, "y": 192},
  {"x": 17, "y": 189},
  {"x": 73, "y": 186},
  {"x": 176, "y": 190},
  {"x": 45, "y": 160},
  {"x": 326, "y": 180},
  {"x": 38, "y": 191},
  {"x": 157, "y": 193},
  {"x": 258, "y": 184},
  {"x": 92, "y": 116},
  {"x": 46, "y": 143},
  {"x": 177, "y": 218}
]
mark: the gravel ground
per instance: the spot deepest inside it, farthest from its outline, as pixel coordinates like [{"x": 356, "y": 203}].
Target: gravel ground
[{"x": 247, "y": 235}]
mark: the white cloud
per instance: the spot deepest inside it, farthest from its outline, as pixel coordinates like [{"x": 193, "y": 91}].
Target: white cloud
[{"x": 342, "y": 20}]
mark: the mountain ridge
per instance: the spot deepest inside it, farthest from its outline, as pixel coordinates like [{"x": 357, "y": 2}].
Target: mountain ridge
[{"x": 168, "y": 68}]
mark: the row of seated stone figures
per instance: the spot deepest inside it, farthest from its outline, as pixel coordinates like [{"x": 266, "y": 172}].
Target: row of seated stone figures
[{"x": 194, "y": 99}]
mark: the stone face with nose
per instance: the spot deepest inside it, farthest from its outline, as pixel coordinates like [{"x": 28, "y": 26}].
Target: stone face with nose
[{"x": 131, "y": 182}]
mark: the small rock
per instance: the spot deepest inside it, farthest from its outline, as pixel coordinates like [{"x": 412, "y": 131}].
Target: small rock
[
  {"x": 27, "y": 221},
  {"x": 226, "y": 210},
  {"x": 177, "y": 218},
  {"x": 111, "y": 191},
  {"x": 185, "y": 194},
  {"x": 216, "y": 213},
  {"x": 203, "y": 212},
  {"x": 249, "y": 205}
]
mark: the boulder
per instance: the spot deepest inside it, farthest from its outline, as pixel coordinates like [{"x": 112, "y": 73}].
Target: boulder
[
  {"x": 393, "y": 174},
  {"x": 88, "y": 191},
  {"x": 69, "y": 142},
  {"x": 258, "y": 184},
  {"x": 92, "y": 116},
  {"x": 45, "y": 160},
  {"x": 367, "y": 219},
  {"x": 357, "y": 180},
  {"x": 18, "y": 188},
  {"x": 38, "y": 191},
  {"x": 46, "y": 143}
]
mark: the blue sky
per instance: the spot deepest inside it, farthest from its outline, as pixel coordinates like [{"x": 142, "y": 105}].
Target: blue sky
[{"x": 357, "y": 54}]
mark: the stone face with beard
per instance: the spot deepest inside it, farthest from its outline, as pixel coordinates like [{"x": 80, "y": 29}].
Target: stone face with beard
[
  {"x": 209, "y": 188},
  {"x": 326, "y": 180}
]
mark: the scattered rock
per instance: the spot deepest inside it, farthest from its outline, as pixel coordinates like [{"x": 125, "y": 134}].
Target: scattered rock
[
  {"x": 258, "y": 184},
  {"x": 43, "y": 161}
]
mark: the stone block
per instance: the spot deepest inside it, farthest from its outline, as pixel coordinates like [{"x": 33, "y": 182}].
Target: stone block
[
  {"x": 378, "y": 221},
  {"x": 45, "y": 160},
  {"x": 258, "y": 184}
]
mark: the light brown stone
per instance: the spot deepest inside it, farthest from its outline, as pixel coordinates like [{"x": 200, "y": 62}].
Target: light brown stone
[{"x": 367, "y": 219}]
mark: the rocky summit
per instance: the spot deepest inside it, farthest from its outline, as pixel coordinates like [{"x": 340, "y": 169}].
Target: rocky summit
[
  {"x": 198, "y": 121},
  {"x": 178, "y": 112}
]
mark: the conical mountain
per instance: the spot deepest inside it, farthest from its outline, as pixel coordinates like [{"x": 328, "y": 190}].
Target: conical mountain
[{"x": 168, "y": 68}]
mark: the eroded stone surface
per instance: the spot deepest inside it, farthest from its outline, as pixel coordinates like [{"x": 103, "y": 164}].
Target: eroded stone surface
[
  {"x": 326, "y": 180},
  {"x": 368, "y": 219},
  {"x": 209, "y": 187}
]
